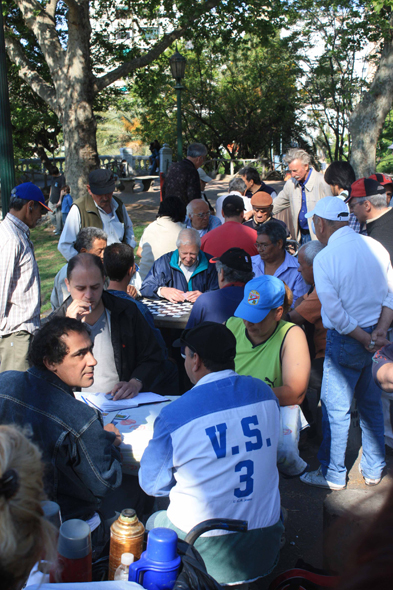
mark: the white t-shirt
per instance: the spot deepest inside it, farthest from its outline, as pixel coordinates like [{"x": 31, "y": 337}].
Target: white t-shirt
[
  {"x": 105, "y": 373},
  {"x": 158, "y": 238}
]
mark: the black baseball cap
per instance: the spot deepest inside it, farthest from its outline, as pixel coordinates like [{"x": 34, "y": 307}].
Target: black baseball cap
[
  {"x": 235, "y": 258},
  {"x": 233, "y": 205},
  {"x": 212, "y": 341},
  {"x": 101, "y": 181}
]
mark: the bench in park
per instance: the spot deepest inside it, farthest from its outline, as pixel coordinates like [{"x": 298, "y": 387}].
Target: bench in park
[{"x": 146, "y": 181}]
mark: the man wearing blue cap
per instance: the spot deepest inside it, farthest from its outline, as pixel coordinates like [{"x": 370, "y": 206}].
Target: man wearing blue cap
[
  {"x": 354, "y": 281},
  {"x": 276, "y": 352},
  {"x": 20, "y": 298}
]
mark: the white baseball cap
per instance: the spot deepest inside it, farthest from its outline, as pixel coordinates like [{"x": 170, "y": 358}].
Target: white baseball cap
[
  {"x": 330, "y": 208},
  {"x": 203, "y": 176}
]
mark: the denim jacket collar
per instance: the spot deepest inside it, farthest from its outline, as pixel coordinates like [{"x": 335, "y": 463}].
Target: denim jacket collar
[{"x": 50, "y": 378}]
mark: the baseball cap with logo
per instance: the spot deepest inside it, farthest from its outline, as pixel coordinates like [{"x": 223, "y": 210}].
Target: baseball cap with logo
[
  {"x": 365, "y": 187},
  {"x": 235, "y": 258},
  {"x": 261, "y": 295},
  {"x": 29, "y": 192},
  {"x": 101, "y": 181},
  {"x": 212, "y": 341},
  {"x": 331, "y": 208}
]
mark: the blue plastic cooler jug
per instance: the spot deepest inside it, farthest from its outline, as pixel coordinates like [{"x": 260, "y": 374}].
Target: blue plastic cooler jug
[{"x": 158, "y": 566}]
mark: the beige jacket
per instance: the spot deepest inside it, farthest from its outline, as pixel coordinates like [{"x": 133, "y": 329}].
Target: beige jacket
[{"x": 291, "y": 196}]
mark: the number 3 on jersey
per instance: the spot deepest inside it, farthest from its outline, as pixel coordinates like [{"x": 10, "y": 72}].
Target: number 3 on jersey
[{"x": 218, "y": 438}]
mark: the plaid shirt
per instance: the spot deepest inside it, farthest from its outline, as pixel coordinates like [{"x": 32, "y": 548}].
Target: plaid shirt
[{"x": 20, "y": 297}]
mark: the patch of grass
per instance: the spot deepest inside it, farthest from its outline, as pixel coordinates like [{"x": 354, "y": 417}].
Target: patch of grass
[{"x": 50, "y": 261}]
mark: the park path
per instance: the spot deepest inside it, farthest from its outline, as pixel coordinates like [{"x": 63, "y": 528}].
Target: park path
[{"x": 143, "y": 206}]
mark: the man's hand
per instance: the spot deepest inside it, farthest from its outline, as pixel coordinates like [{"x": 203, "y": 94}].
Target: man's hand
[
  {"x": 173, "y": 295},
  {"x": 132, "y": 291},
  {"x": 192, "y": 296},
  {"x": 248, "y": 215},
  {"x": 377, "y": 340},
  {"x": 78, "y": 310},
  {"x": 126, "y": 389},
  {"x": 112, "y": 428}
]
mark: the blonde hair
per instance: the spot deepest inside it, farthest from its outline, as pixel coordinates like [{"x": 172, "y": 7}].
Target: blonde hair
[{"x": 25, "y": 536}]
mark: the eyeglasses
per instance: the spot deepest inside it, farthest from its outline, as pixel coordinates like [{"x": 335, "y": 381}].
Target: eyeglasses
[
  {"x": 262, "y": 209},
  {"x": 260, "y": 246},
  {"x": 201, "y": 215}
]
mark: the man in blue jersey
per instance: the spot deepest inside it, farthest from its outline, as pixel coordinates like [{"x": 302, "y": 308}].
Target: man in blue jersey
[{"x": 214, "y": 453}]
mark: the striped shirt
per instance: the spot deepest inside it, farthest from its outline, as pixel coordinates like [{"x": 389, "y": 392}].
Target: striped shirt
[{"x": 20, "y": 297}]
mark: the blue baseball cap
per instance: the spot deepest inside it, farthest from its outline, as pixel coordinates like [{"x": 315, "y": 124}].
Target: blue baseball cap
[
  {"x": 29, "y": 192},
  {"x": 261, "y": 295}
]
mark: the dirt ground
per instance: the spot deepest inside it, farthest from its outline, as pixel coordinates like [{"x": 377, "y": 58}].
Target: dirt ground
[{"x": 304, "y": 504}]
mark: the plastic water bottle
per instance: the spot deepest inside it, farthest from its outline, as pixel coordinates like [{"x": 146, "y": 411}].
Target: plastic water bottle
[{"x": 124, "y": 567}]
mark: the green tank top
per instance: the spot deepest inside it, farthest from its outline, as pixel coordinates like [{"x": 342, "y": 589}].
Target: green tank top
[{"x": 263, "y": 360}]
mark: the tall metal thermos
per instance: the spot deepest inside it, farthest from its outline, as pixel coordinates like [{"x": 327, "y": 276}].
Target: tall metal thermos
[{"x": 126, "y": 537}]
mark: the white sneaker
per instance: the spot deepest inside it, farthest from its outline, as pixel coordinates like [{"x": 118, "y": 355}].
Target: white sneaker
[
  {"x": 316, "y": 478},
  {"x": 368, "y": 480}
]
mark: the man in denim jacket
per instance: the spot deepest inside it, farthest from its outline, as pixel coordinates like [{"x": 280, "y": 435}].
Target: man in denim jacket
[{"x": 82, "y": 463}]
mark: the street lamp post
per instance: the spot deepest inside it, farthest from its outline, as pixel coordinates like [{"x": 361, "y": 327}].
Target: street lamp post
[{"x": 178, "y": 67}]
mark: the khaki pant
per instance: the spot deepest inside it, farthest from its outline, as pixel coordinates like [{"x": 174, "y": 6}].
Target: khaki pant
[{"x": 13, "y": 351}]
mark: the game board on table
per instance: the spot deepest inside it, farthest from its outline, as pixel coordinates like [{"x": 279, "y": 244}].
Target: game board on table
[{"x": 167, "y": 314}]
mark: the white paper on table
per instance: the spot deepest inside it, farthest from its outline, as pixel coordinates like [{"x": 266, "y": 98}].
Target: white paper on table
[
  {"x": 101, "y": 402},
  {"x": 136, "y": 428}
]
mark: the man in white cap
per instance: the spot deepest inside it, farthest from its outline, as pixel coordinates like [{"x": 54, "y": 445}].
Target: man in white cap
[
  {"x": 20, "y": 298},
  {"x": 354, "y": 282},
  {"x": 204, "y": 179},
  {"x": 98, "y": 208}
]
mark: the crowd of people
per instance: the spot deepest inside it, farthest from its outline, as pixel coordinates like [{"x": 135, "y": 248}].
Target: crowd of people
[{"x": 268, "y": 326}]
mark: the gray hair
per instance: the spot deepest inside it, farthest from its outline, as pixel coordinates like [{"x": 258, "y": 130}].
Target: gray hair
[
  {"x": 232, "y": 275},
  {"x": 310, "y": 250},
  {"x": 188, "y": 235},
  {"x": 237, "y": 184},
  {"x": 16, "y": 203},
  {"x": 377, "y": 201},
  {"x": 297, "y": 154},
  {"x": 86, "y": 237},
  {"x": 190, "y": 206},
  {"x": 196, "y": 150}
]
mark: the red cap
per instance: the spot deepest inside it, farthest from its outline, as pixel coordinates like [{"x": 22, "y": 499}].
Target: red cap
[
  {"x": 365, "y": 187},
  {"x": 381, "y": 178}
]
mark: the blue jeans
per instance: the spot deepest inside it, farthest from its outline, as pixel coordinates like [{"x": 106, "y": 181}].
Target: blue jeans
[
  {"x": 305, "y": 238},
  {"x": 347, "y": 372}
]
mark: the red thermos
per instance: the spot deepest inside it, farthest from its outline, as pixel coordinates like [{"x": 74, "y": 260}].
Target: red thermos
[{"x": 74, "y": 553}]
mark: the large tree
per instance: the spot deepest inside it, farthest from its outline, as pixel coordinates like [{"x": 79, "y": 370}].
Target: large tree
[
  {"x": 79, "y": 61},
  {"x": 369, "y": 116}
]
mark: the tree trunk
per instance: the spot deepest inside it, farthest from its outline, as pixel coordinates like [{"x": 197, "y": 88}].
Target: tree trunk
[
  {"x": 79, "y": 131},
  {"x": 367, "y": 120}
]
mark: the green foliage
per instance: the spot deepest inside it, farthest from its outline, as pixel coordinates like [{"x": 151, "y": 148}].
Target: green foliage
[
  {"x": 236, "y": 101},
  {"x": 329, "y": 43}
]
